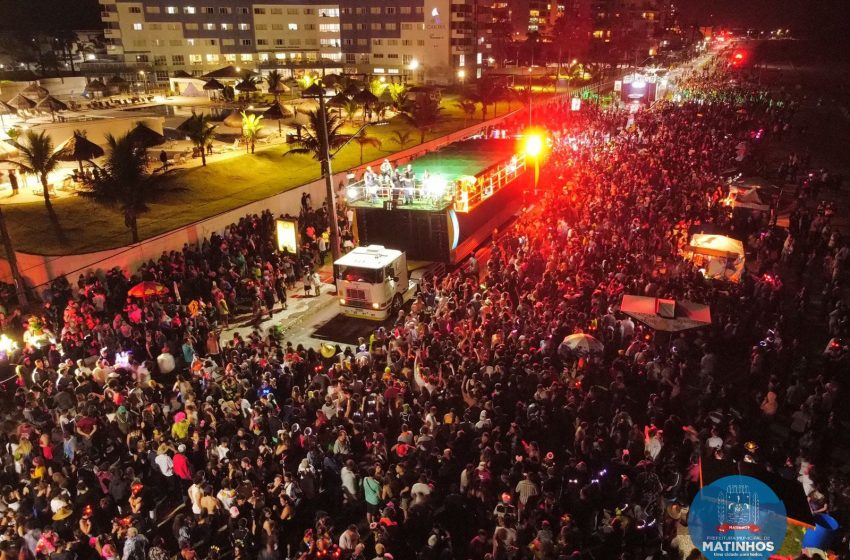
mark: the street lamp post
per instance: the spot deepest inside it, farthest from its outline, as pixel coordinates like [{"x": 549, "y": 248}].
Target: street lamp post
[
  {"x": 144, "y": 76},
  {"x": 530, "y": 98},
  {"x": 462, "y": 75}
]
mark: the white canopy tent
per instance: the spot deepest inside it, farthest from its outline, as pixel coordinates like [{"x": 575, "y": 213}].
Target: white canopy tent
[{"x": 718, "y": 256}]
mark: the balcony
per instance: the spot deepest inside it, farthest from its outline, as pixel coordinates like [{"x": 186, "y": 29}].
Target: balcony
[{"x": 112, "y": 33}]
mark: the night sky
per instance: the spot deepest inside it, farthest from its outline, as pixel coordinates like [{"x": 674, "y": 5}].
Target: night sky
[{"x": 804, "y": 16}]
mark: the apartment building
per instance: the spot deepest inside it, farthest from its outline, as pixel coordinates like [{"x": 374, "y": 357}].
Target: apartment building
[
  {"x": 166, "y": 36},
  {"x": 427, "y": 40}
]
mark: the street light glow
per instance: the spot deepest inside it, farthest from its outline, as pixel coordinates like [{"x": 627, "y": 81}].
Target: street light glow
[
  {"x": 414, "y": 64},
  {"x": 461, "y": 74},
  {"x": 533, "y": 145}
]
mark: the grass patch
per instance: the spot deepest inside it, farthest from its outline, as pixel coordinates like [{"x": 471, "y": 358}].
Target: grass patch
[{"x": 204, "y": 191}]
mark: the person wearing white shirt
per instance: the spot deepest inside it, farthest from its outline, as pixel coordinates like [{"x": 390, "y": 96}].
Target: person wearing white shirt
[
  {"x": 652, "y": 444},
  {"x": 420, "y": 491},
  {"x": 349, "y": 480},
  {"x": 165, "y": 361}
]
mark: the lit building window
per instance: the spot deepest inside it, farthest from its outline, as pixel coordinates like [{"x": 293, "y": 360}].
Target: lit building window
[
  {"x": 292, "y": 26},
  {"x": 137, "y": 27}
]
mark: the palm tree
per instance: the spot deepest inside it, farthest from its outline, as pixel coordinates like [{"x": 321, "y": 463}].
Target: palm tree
[
  {"x": 351, "y": 108},
  {"x": 398, "y": 93},
  {"x": 311, "y": 139},
  {"x": 364, "y": 140},
  {"x": 124, "y": 182},
  {"x": 200, "y": 132},
  {"x": 423, "y": 115},
  {"x": 401, "y": 137},
  {"x": 37, "y": 157},
  {"x": 468, "y": 107},
  {"x": 251, "y": 126},
  {"x": 275, "y": 83},
  {"x": 487, "y": 92},
  {"x": 12, "y": 257}
]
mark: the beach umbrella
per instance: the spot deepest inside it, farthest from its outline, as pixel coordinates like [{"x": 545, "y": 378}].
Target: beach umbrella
[
  {"x": 386, "y": 98},
  {"x": 580, "y": 343},
  {"x": 339, "y": 101},
  {"x": 280, "y": 88},
  {"x": 297, "y": 120},
  {"x": 365, "y": 97},
  {"x": 331, "y": 79},
  {"x": 245, "y": 86},
  {"x": 51, "y": 104},
  {"x": 314, "y": 90},
  {"x": 145, "y": 290},
  {"x": 79, "y": 148},
  {"x": 233, "y": 120},
  {"x": 6, "y": 109},
  {"x": 144, "y": 137},
  {"x": 352, "y": 89},
  {"x": 277, "y": 112},
  {"x": 213, "y": 85},
  {"x": 35, "y": 90},
  {"x": 21, "y": 103}
]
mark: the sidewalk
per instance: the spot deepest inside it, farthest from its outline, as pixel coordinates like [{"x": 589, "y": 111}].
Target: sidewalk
[{"x": 299, "y": 307}]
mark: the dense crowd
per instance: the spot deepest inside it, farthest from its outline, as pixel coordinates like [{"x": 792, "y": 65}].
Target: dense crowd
[{"x": 463, "y": 429}]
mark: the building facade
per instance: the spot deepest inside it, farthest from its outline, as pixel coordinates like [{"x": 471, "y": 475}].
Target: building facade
[{"x": 426, "y": 40}]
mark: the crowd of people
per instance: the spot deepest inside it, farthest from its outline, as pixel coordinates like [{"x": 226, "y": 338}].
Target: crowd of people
[{"x": 463, "y": 429}]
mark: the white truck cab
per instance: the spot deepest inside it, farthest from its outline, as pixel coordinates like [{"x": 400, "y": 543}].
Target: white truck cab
[{"x": 373, "y": 282}]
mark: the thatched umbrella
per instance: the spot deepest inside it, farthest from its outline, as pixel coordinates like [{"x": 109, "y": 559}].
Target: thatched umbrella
[
  {"x": 280, "y": 88},
  {"x": 144, "y": 137},
  {"x": 35, "y": 90},
  {"x": 182, "y": 74},
  {"x": 277, "y": 112},
  {"x": 338, "y": 101},
  {"x": 365, "y": 97},
  {"x": 6, "y": 109},
  {"x": 331, "y": 79},
  {"x": 245, "y": 86},
  {"x": 51, "y": 104},
  {"x": 79, "y": 148},
  {"x": 21, "y": 103},
  {"x": 297, "y": 121},
  {"x": 314, "y": 90},
  {"x": 233, "y": 120},
  {"x": 351, "y": 89},
  {"x": 386, "y": 98},
  {"x": 213, "y": 85}
]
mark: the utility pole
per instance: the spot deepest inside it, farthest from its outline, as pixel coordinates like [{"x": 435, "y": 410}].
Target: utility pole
[
  {"x": 329, "y": 179},
  {"x": 20, "y": 289}
]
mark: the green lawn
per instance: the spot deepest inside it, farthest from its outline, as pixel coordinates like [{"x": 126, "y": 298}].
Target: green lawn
[{"x": 204, "y": 192}]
